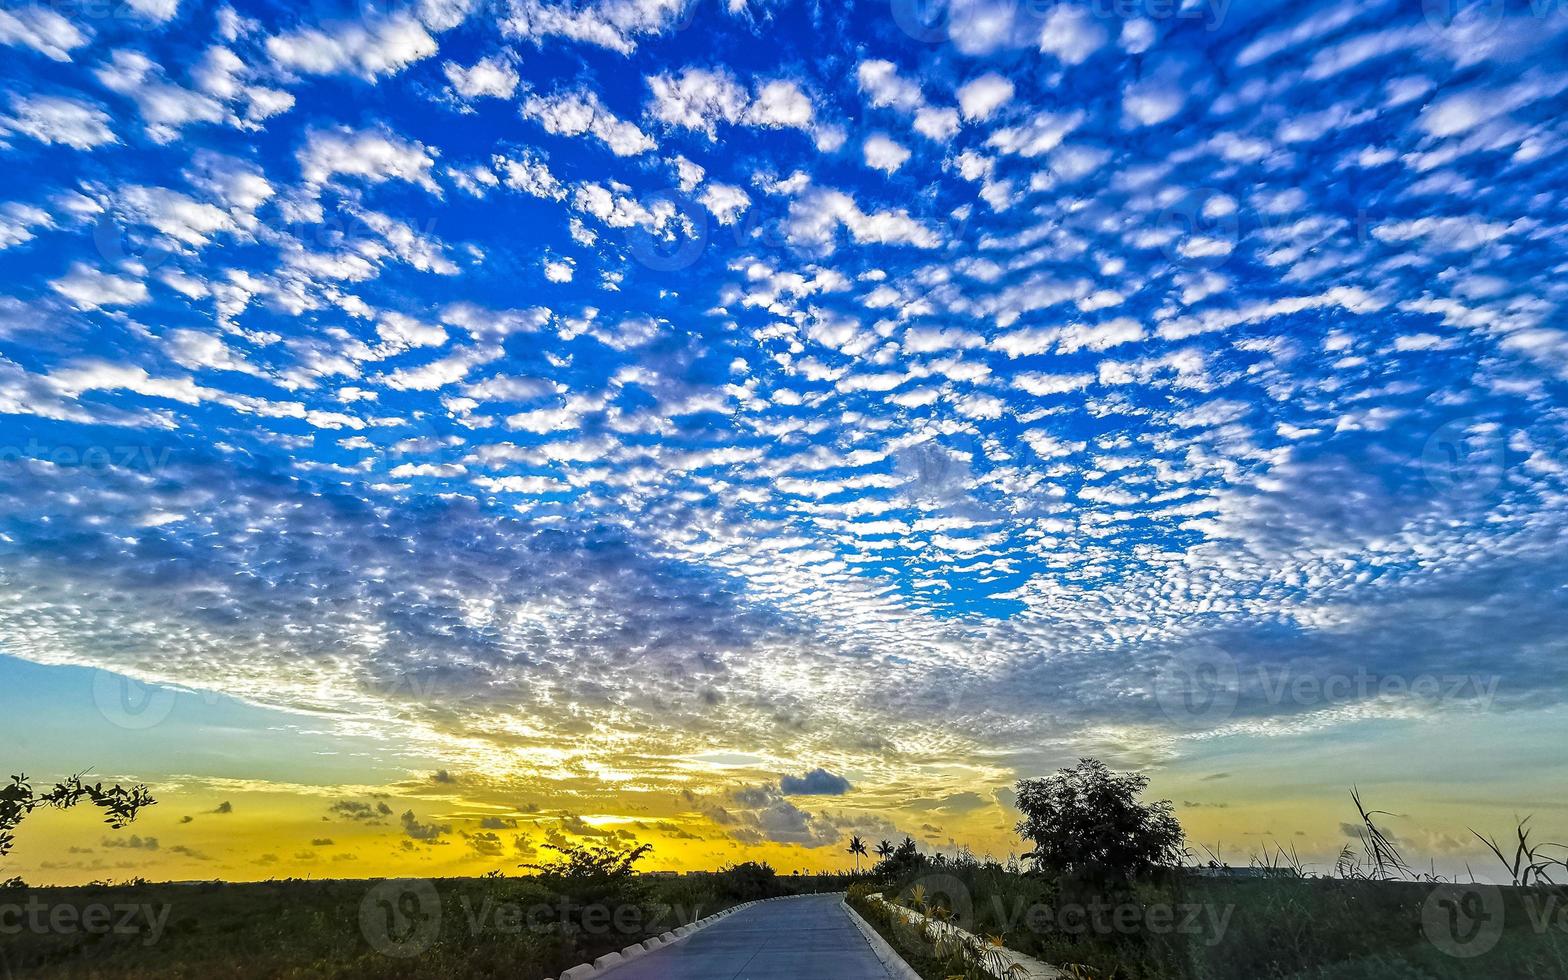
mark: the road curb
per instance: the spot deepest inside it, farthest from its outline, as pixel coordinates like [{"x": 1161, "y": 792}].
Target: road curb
[
  {"x": 609, "y": 961},
  {"x": 891, "y": 961}
]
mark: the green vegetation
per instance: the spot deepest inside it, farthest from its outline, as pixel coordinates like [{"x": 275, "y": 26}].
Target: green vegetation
[
  {"x": 1087, "y": 821},
  {"x": 524, "y": 928},
  {"x": 1107, "y": 901},
  {"x": 1236, "y": 929},
  {"x": 1106, "y": 893}
]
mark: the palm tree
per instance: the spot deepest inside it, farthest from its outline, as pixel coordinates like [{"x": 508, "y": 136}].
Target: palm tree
[
  {"x": 884, "y": 849},
  {"x": 857, "y": 847}
]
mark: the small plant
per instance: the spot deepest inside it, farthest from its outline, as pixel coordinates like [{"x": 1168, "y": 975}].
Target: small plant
[
  {"x": 1381, "y": 855},
  {"x": 1280, "y": 861},
  {"x": 1529, "y": 866}
]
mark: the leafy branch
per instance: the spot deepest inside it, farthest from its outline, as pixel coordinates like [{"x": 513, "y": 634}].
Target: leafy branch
[{"x": 119, "y": 803}]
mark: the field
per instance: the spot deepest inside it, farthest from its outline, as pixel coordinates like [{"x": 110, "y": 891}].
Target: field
[
  {"x": 520, "y": 928},
  {"x": 1183, "y": 928},
  {"x": 1194, "y": 928}
]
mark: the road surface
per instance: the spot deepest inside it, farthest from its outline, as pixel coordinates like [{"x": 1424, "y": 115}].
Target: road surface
[{"x": 805, "y": 938}]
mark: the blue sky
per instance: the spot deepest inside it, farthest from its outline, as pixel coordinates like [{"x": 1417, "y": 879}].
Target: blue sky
[{"x": 924, "y": 393}]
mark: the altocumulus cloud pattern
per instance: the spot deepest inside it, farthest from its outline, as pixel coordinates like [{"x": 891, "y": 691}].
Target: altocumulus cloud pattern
[{"x": 872, "y": 383}]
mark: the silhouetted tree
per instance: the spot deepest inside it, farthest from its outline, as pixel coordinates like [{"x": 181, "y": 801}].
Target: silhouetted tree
[
  {"x": 1087, "y": 821},
  {"x": 884, "y": 849},
  {"x": 119, "y": 803},
  {"x": 905, "y": 859},
  {"x": 857, "y": 847},
  {"x": 748, "y": 882}
]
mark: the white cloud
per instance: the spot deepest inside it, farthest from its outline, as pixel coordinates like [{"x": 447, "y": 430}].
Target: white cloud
[
  {"x": 578, "y": 113},
  {"x": 529, "y": 174},
  {"x": 372, "y": 155},
  {"x": 1152, "y": 101},
  {"x": 58, "y": 119},
  {"x": 725, "y": 202},
  {"x": 1352, "y": 299},
  {"x": 559, "y": 270},
  {"x": 614, "y": 209},
  {"x": 697, "y": 98},
  {"x": 222, "y": 75},
  {"x": 492, "y": 77},
  {"x": 1071, "y": 33},
  {"x": 92, "y": 289},
  {"x": 234, "y": 184},
  {"x": 936, "y": 123},
  {"x": 700, "y": 99},
  {"x": 613, "y": 24},
  {"x": 403, "y": 332},
  {"x": 445, "y": 371},
  {"x": 1449, "y": 233},
  {"x": 1137, "y": 36},
  {"x": 1040, "y": 134},
  {"x": 1099, "y": 337},
  {"x": 981, "y": 97},
  {"x": 979, "y": 27},
  {"x": 41, "y": 29},
  {"x": 164, "y": 107},
  {"x": 883, "y": 154},
  {"x": 1070, "y": 162},
  {"x": 158, "y": 11},
  {"x": 883, "y": 86},
  {"x": 1052, "y": 384},
  {"x": 816, "y": 216},
  {"x": 780, "y": 103},
  {"x": 378, "y": 45},
  {"x": 17, "y": 222},
  {"x": 196, "y": 350},
  {"x": 179, "y": 218}
]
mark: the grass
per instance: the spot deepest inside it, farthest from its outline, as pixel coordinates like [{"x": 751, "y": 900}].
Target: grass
[
  {"x": 921, "y": 955},
  {"x": 512, "y": 927},
  {"x": 1183, "y": 927}
]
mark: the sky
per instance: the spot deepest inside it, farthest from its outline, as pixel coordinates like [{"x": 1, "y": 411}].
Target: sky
[{"x": 429, "y": 432}]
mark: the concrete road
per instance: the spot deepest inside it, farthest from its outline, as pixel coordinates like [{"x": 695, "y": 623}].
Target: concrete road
[{"x": 805, "y": 938}]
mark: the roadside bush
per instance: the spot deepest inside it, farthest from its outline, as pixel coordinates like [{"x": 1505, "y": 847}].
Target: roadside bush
[{"x": 748, "y": 882}]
